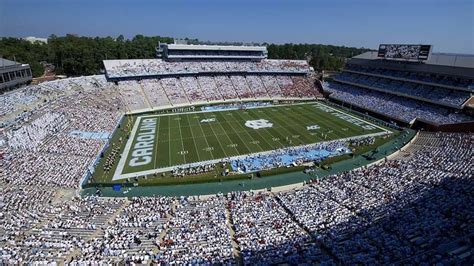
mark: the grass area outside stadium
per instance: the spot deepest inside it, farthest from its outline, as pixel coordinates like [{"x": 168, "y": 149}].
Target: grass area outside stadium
[{"x": 188, "y": 140}]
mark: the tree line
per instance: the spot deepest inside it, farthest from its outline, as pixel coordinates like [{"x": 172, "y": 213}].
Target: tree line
[{"x": 74, "y": 56}]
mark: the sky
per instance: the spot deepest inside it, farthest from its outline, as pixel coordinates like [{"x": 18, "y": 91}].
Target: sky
[{"x": 446, "y": 24}]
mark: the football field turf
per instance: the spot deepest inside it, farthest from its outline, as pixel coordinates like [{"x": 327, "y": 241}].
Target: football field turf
[{"x": 159, "y": 142}]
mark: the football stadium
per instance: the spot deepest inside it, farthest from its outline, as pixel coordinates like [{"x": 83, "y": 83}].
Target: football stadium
[{"x": 223, "y": 154}]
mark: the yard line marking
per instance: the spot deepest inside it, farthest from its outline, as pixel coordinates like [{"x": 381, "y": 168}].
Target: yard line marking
[
  {"x": 192, "y": 134},
  {"x": 220, "y": 144},
  {"x": 294, "y": 115},
  {"x": 169, "y": 140},
  {"x": 246, "y": 131},
  {"x": 273, "y": 137},
  {"x": 335, "y": 121},
  {"x": 237, "y": 133},
  {"x": 284, "y": 128},
  {"x": 266, "y": 140},
  {"x": 181, "y": 137},
  {"x": 360, "y": 119},
  {"x": 225, "y": 133},
  {"x": 205, "y": 138}
]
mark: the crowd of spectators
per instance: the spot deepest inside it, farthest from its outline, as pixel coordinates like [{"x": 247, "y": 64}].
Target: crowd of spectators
[
  {"x": 131, "y": 93},
  {"x": 213, "y": 91},
  {"x": 241, "y": 87},
  {"x": 271, "y": 84},
  {"x": 174, "y": 90},
  {"x": 236, "y": 106},
  {"x": 198, "y": 234},
  {"x": 397, "y": 107},
  {"x": 286, "y": 86},
  {"x": 439, "y": 95},
  {"x": 154, "y": 92},
  {"x": 15, "y": 102},
  {"x": 193, "y": 90},
  {"x": 193, "y": 170},
  {"x": 266, "y": 232},
  {"x": 408, "y": 209},
  {"x": 256, "y": 85},
  {"x": 132, "y": 236},
  {"x": 412, "y": 209},
  {"x": 289, "y": 157},
  {"x": 185, "y": 90},
  {"x": 226, "y": 88},
  {"x": 41, "y": 157},
  {"x": 437, "y": 80},
  {"x": 30, "y": 135},
  {"x": 156, "y": 67}
]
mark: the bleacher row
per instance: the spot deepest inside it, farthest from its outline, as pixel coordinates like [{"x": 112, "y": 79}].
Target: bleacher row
[
  {"x": 403, "y": 95},
  {"x": 396, "y": 107},
  {"x": 156, "y": 67},
  {"x": 412, "y": 209},
  {"x": 439, "y": 95},
  {"x": 435, "y": 80},
  {"x": 166, "y": 92}
]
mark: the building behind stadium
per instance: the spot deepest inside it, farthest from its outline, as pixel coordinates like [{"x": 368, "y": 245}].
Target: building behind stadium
[{"x": 13, "y": 74}]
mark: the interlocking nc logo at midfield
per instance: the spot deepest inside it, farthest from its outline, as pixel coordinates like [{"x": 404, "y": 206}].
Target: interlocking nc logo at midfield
[{"x": 260, "y": 123}]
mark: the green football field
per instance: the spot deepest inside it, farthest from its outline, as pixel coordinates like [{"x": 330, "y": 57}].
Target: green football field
[{"x": 159, "y": 142}]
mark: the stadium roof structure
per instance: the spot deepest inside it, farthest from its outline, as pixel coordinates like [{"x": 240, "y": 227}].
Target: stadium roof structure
[
  {"x": 216, "y": 47},
  {"x": 443, "y": 59},
  {"x": 201, "y": 51},
  {"x": 8, "y": 63},
  {"x": 13, "y": 74},
  {"x": 440, "y": 63}
]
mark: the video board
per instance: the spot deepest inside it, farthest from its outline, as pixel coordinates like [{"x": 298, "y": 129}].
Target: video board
[{"x": 418, "y": 52}]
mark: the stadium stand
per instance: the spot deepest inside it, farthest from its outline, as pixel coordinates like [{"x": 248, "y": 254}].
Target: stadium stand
[
  {"x": 271, "y": 84},
  {"x": 241, "y": 87},
  {"x": 154, "y": 92},
  {"x": 165, "y": 92},
  {"x": 393, "y": 106},
  {"x": 174, "y": 91},
  {"x": 225, "y": 85},
  {"x": 432, "y": 91},
  {"x": 437, "y": 95},
  {"x": 212, "y": 93},
  {"x": 256, "y": 85},
  {"x": 342, "y": 219},
  {"x": 157, "y": 67},
  {"x": 193, "y": 91},
  {"x": 439, "y": 80},
  {"x": 211, "y": 75},
  {"x": 409, "y": 209},
  {"x": 132, "y": 95}
]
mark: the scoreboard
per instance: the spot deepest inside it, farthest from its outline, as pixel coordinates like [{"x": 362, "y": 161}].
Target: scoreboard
[{"x": 413, "y": 52}]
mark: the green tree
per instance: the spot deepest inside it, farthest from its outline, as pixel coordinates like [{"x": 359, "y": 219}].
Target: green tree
[{"x": 73, "y": 55}]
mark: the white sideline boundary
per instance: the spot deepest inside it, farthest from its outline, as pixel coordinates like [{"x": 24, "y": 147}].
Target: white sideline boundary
[
  {"x": 170, "y": 168},
  {"x": 118, "y": 171},
  {"x": 228, "y": 101}
]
